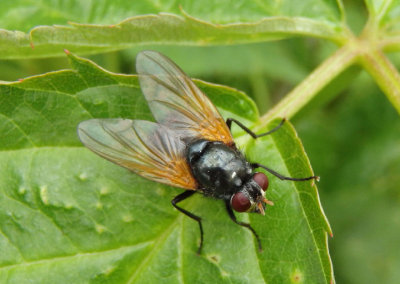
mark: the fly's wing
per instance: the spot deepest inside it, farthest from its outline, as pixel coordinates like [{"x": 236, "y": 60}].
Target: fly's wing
[
  {"x": 175, "y": 100},
  {"x": 146, "y": 148}
]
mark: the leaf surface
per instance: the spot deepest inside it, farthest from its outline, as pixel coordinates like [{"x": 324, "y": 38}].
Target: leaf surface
[
  {"x": 91, "y": 27},
  {"x": 68, "y": 216}
]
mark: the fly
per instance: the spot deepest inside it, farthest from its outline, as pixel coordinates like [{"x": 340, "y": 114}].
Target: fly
[{"x": 190, "y": 146}]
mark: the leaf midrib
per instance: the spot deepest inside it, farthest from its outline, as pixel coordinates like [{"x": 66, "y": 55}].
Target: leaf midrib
[
  {"x": 156, "y": 248},
  {"x": 59, "y": 258}
]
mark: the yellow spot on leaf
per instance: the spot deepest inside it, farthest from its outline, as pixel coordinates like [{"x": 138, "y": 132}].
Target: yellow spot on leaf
[
  {"x": 297, "y": 276},
  {"x": 43, "y": 194},
  {"x": 109, "y": 270},
  {"x": 104, "y": 191},
  {"x": 68, "y": 205},
  {"x": 224, "y": 273},
  {"x": 22, "y": 190},
  {"x": 160, "y": 191},
  {"x": 83, "y": 176},
  {"x": 214, "y": 258},
  {"x": 99, "y": 205},
  {"x": 100, "y": 228},
  {"x": 127, "y": 218}
]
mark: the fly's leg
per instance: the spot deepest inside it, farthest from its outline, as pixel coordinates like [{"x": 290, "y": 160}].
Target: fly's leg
[
  {"x": 251, "y": 133},
  {"x": 182, "y": 197},
  {"x": 255, "y": 136},
  {"x": 246, "y": 225},
  {"x": 278, "y": 175}
]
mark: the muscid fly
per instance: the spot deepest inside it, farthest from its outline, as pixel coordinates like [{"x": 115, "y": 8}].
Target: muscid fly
[{"x": 190, "y": 146}]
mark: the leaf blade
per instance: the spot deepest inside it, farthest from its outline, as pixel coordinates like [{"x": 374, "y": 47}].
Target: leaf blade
[
  {"x": 190, "y": 23},
  {"x": 293, "y": 163},
  {"x": 106, "y": 223}
]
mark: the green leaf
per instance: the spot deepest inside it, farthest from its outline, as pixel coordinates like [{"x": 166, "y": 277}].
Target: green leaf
[
  {"x": 91, "y": 28},
  {"x": 68, "y": 216},
  {"x": 385, "y": 11},
  {"x": 304, "y": 237},
  {"x": 385, "y": 18},
  {"x": 359, "y": 162}
]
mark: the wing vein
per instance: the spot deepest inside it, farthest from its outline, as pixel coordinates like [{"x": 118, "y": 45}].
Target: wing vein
[{"x": 177, "y": 102}]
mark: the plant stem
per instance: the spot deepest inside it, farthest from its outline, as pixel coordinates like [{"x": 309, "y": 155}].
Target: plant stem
[
  {"x": 384, "y": 73},
  {"x": 310, "y": 87}
]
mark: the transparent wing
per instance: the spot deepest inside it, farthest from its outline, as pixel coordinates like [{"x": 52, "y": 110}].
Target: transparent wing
[
  {"x": 175, "y": 100},
  {"x": 148, "y": 149}
]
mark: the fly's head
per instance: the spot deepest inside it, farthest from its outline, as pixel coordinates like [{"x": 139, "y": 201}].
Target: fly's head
[{"x": 251, "y": 198}]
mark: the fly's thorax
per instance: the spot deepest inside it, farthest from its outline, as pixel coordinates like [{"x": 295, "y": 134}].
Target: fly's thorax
[{"x": 221, "y": 170}]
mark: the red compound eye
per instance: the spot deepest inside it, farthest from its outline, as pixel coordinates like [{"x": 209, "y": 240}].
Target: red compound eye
[
  {"x": 240, "y": 202},
  {"x": 262, "y": 180}
]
